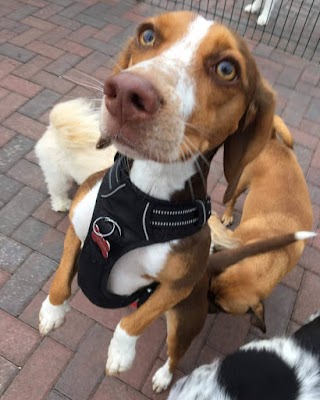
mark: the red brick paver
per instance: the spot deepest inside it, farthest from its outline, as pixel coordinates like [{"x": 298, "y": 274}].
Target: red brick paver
[{"x": 43, "y": 43}]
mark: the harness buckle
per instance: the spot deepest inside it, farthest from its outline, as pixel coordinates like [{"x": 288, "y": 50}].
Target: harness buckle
[{"x": 204, "y": 210}]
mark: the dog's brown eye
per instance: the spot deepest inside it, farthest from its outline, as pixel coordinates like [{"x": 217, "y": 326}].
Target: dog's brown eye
[
  {"x": 226, "y": 70},
  {"x": 147, "y": 37}
]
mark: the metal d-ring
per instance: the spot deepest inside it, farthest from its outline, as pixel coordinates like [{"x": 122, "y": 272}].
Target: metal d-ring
[{"x": 107, "y": 219}]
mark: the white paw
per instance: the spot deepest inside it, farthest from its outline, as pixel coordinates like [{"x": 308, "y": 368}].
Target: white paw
[
  {"x": 121, "y": 352},
  {"x": 51, "y": 317},
  {"x": 262, "y": 20},
  {"x": 250, "y": 8},
  {"x": 60, "y": 204},
  {"x": 162, "y": 378}
]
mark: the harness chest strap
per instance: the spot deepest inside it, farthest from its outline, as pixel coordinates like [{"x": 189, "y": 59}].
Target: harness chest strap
[{"x": 125, "y": 218}]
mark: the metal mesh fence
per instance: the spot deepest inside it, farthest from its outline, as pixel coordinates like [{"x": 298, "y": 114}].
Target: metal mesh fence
[{"x": 293, "y": 25}]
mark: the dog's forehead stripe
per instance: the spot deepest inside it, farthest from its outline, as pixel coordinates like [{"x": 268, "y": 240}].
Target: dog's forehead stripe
[{"x": 185, "y": 49}]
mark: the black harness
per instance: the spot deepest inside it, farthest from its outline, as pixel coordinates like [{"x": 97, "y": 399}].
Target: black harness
[{"x": 124, "y": 219}]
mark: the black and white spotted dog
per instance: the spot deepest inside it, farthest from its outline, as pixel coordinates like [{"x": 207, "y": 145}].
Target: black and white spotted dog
[{"x": 282, "y": 368}]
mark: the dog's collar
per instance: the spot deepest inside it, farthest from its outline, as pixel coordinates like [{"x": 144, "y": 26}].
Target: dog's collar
[{"x": 181, "y": 219}]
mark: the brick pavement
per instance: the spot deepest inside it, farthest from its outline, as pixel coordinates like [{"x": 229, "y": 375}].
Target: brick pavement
[{"x": 40, "y": 41}]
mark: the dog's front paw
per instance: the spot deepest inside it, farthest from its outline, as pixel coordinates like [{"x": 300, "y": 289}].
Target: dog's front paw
[
  {"x": 162, "y": 378},
  {"x": 121, "y": 352},
  {"x": 250, "y": 8},
  {"x": 262, "y": 20},
  {"x": 51, "y": 317},
  {"x": 60, "y": 204},
  {"x": 227, "y": 219}
]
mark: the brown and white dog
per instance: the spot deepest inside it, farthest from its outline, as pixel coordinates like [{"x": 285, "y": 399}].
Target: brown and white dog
[
  {"x": 184, "y": 87},
  {"x": 277, "y": 203}
]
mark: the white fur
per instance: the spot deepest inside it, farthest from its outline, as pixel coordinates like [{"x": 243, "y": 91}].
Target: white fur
[
  {"x": 161, "y": 180},
  {"x": 185, "y": 49},
  {"x": 203, "y": 383},
  {"x": 303, "y": 235},
  {"x": 177, "y": 60},
  {"x": 313, "y": 316},
  {"x": 127, "y": 274},
  {"x": 67, "y": 150},
  {"x": 306, "y": 365},
  {"x": 82, "y": 214},
  {"x": 51, "y": 317},
  {"x": 162, "y": 378},
  {"x": 200, "y": 384},
  {"x": 264, "y": 17},
  {"x": 121, "y": 352}
]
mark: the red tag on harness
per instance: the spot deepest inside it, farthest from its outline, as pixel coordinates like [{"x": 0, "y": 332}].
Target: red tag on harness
[{"x": 103, "y": 244}]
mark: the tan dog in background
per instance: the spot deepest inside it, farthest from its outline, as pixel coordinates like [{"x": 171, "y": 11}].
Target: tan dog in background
[
  {"x": 67, "y": 151},
  {"x": 277, "y": 203}
]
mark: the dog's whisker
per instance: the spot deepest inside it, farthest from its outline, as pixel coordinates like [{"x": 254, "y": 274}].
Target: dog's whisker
[
  {"x": 87, "y": 98},
  {"x": 192, "y": 126},
  {"x": 183, "y": 156},
  {"x": 88, "y": 76},
  {"x": 194, "y": 157},
  {"x": 197, "y": 150},
  {"x": 201, "y": 131},
  {"x": 82, "y": 84},
  {"x": 115, "y": 63}
]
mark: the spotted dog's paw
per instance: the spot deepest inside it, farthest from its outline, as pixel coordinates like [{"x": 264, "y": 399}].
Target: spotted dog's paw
[
  {"x": 51, "y": 317},
  {"x": 162, "y": 378},
  {"x": 121, "y": 352}
]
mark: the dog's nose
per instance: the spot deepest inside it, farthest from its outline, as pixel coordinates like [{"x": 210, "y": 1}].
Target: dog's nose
[{"x": 131, "y": 97}]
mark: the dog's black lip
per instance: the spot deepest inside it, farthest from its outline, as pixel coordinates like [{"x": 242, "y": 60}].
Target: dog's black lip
[{"x": 103, "y": 143}]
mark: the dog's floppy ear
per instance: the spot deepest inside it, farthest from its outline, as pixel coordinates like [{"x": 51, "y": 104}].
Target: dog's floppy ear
[
  {"x": 255, "y": 129},
  {"x": 257, "y": 318}
]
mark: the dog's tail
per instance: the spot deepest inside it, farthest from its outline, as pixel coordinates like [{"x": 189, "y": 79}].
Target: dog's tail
[
  {"x": 283, "y": 131},
  {"x": 219, "y": 261},
  {"x": 76, "y": 122}
]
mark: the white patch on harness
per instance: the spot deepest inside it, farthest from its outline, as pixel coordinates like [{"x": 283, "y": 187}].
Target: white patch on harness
[
  {"x": 83, "y": 212},
  {"x": 161, "y": 180}
]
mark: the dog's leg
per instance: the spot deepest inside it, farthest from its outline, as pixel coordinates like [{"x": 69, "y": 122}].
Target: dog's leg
[
  {"x": 58, "y": 189},
  {"x": 253, "y": 7},
  {"x": 227, "y": 217},
  {"x": 55, "y": 306},
  {"x": 121, "y": 350},
  {"x": 266, "y": 12},
  {"x": 184, "y": 322},
  {"x": 58, "y": 184}
]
